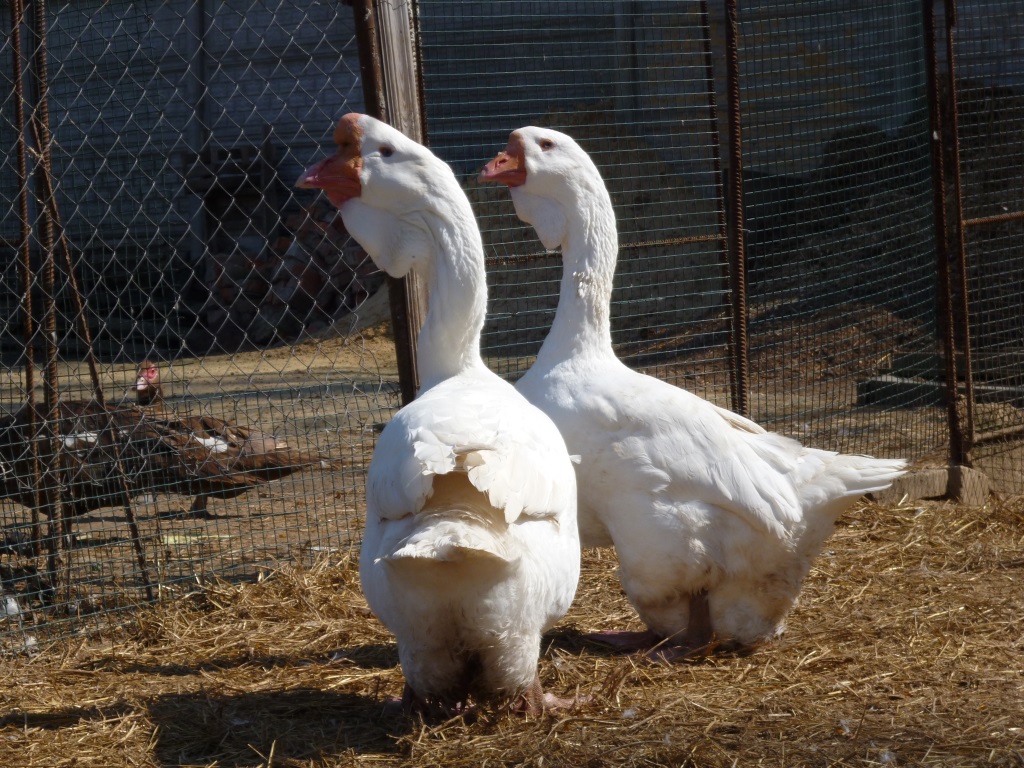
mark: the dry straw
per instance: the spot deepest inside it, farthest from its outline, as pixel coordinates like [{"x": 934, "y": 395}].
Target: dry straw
[{"x": 906, "y": 650}]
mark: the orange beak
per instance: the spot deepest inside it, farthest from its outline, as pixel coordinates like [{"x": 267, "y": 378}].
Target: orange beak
[
  {"x": 509, "y": 167},
  {"x": 338, "y": 175}
]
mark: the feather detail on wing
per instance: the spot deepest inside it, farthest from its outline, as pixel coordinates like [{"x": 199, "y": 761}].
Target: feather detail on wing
[
  {"x": 695, "y": 451},
  {"x": 455, "y": 471}
]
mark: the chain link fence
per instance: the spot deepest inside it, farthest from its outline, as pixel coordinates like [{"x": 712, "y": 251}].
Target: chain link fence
[
  {"x": 840, "y": 239},
  {"x": 772, "y": 172},
  {"x": 633, "y": 83},
  {"x": 177, "y": 132}
]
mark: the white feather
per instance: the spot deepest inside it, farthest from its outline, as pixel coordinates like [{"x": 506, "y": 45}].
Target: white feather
[
  {"x": 80, "y": 440},
  {"x": 212, "y": 444}
]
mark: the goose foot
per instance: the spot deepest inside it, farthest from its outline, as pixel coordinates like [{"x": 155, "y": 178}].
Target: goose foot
[
  {"x": 393, "y": 707},
  {"x": 670, "y": 653},
  {"x": 198, "y": 510},
  {"x": 624, "y": 641},
  {"x": 412, "y": 704},
  {"x": 535, "y": 701}
]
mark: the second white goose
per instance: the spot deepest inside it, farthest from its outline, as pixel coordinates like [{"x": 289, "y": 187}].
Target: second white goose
[{"x": 715, "y": 520}]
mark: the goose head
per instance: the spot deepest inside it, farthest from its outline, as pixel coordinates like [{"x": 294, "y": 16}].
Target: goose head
[
  {"x": 387, "y": 188},
  {"x": 549, "y": 176}
]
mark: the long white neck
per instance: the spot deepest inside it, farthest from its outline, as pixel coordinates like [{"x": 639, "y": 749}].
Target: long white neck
[
  {"x": 590, "y": 247},
  {"x": 449, "y": 342}
]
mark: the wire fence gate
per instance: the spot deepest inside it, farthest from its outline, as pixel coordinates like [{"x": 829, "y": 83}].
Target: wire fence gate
[{"x": 819, "y": 206}]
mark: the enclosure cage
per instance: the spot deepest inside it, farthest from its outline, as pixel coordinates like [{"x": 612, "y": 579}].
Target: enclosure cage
[{"x": 819, "y": 208}]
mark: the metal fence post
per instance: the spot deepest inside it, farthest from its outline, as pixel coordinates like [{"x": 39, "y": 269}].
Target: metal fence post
[
  {"x": 735, "y": 214},
  {"x": 25, "y": 269},
  {"x": 388, "y": 68},
  {"x": 716, "y": 153},
  {"x": 951, "y": 320}
]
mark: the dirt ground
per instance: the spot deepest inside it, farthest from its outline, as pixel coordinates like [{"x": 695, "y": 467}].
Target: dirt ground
[{"x": 905, "y": 650}]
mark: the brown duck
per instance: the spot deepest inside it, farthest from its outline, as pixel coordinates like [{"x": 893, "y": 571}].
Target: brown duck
[
  {"x": 89, "y": 441},
  {"x": 213, "y": 457}
]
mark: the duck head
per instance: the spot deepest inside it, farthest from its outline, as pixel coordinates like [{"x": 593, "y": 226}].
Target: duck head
[{"x": 147, "y": 383}]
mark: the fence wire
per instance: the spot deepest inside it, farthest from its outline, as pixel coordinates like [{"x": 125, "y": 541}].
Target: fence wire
[
  {"x": 837, "y": 191},
  {"x": 178, "y": 131},
  {"x": 632, "y": 82},
  {"x": 839, "y": 214},
  {"x": 989, "y": 39}
]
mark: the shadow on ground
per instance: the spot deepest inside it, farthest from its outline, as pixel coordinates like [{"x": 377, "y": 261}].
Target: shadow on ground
[{"x": 272, "y": 727}]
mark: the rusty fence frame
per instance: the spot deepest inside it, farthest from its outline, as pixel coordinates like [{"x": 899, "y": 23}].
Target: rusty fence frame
[
  {"x": 393, "y": 87},
  {"x": 388, "y": 38}
]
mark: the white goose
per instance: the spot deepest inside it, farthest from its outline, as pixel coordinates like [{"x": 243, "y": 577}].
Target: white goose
[
  {"x": 715, "y": 520},
  {"x": 471, "y": 548}
]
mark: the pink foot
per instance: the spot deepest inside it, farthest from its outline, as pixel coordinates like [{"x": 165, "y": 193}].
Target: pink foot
[
  {"x": 535, "y": 701},
  {"x": 554, "y": 703}
]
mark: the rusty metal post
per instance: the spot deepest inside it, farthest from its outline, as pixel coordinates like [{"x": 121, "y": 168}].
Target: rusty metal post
[
  {"x": 716, "y": 151},
  {"x": 388, "y": 70},
  {"x": 738, "y": 249},
  {"x": 25, "y": 269},
  {"x": 50, "y": 455},
  {"x": 52, "y": 237},
  {"x": 958, "y": 278},
  {"x": 959, "y": 433},
  {"x": 90, "y": 356}
]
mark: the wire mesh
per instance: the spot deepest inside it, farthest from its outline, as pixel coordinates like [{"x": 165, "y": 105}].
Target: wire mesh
[
  {"x": 631, "y": 82},
  {"x": 839, "y": 217},
  {"x": 990, "y": 101},
  {"x": 178, "y": 130},
  {"x": 837, "y": 191}
]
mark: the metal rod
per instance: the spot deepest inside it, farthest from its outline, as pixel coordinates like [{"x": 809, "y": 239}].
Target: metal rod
[
  {"x": 998, "y": 219},
  {"x": 40, "y": 119},
  {"x": 940, "y": 205},
  {"x": 958, "y": 276},
  {"x": 25, "y": 270},
  {"x": 403, "y": 315},
  {"x": 738, "y": 260},
  {"x": 716, "y": 153},
  {"x": 996, "y": 435}
]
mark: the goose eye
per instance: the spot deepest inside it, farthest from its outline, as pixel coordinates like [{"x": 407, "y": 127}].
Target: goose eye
[
  {"x": 546, "y": 144},
  {"x": 386, "y": 151}
]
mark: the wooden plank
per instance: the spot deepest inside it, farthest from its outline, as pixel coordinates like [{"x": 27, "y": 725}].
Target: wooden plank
[{"x": 387, "y": 42}]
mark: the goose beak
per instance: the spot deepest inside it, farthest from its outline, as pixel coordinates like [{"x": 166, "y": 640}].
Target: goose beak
[
  {"x": 338, "y": 175},
  {"x": 509, "y": 167}
]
